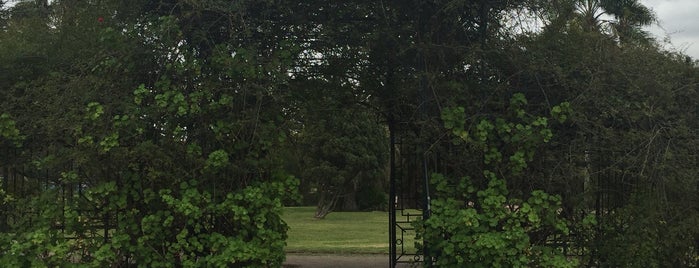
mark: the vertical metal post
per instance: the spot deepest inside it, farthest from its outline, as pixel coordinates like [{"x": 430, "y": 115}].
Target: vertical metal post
[
  {"x": 5, "y": 186},
  {"x": 426, "y": 210},
  {"x": 423, "y": 112},
  {"x": 392, "y": 196},
  {"x": 423, "y": 109}
]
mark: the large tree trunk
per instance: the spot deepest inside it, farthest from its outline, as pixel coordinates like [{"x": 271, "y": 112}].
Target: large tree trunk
[
  {"x": 326, "y": 203},
  {"x": 349, "y": 198},
  {"x": 349, "y": 201}
]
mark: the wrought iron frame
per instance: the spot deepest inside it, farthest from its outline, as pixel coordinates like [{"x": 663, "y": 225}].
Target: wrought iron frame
[{"x": 408, "y": 197}]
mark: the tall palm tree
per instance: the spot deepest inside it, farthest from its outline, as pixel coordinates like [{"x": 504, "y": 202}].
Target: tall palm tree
[{"x": 623, "y": 19}]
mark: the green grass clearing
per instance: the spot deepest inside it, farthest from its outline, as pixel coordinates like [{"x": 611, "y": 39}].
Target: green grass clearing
[{"x": 339, "y": 232}]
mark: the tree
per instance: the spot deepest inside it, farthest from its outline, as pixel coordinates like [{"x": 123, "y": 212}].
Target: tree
[
  {"x": 144, "y": 133},
  {"x": 631, "y": 16},
  {"x": 623, "y": 20},
  {"x": 159, "y": 132},
  {"x": 624, "y": 114},
  {"x": 343, "y": 155}
]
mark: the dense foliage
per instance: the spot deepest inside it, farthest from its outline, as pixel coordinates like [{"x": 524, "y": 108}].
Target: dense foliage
[
  {"x": 147, "y": 144},
  {"x": 169, "y": 133},
  {"x": 340, "y": 167},
  {"x": 488, "y": 226}
]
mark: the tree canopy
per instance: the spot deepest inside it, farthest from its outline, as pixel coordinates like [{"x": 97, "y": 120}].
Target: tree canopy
[{"x": 170, "y": 133}]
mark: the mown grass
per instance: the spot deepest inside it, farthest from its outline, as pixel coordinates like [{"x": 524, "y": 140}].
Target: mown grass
[{"x": 338, "y": 233}]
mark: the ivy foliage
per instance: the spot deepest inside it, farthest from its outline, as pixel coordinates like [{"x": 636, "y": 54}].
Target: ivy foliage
[
  {"x": 486, "y": 225},
  {"x": 8, "y": 130},
  {"x": 627, "y": 156},
  {"x": 121, "y": 118},
  {"x": 156, "y": 148}
]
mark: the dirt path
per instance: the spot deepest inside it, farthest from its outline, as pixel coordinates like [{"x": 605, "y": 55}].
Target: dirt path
[{"x": 336, "y": 261}]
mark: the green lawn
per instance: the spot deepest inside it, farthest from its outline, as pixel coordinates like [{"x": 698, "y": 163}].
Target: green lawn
[{"x": 338, "y": 233}]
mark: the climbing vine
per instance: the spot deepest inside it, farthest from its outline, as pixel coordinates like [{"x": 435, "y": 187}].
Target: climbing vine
[{"x": 488, "y": 226}]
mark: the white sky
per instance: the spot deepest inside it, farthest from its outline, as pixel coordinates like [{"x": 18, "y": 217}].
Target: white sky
[{"x": 679, "y": 20}]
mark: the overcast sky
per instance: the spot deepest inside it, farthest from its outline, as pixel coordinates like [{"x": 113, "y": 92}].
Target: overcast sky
[{"x": 679, "y": 19}]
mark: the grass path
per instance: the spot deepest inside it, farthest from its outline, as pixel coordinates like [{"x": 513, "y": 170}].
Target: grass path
[{"x": 338, "y": 233}]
